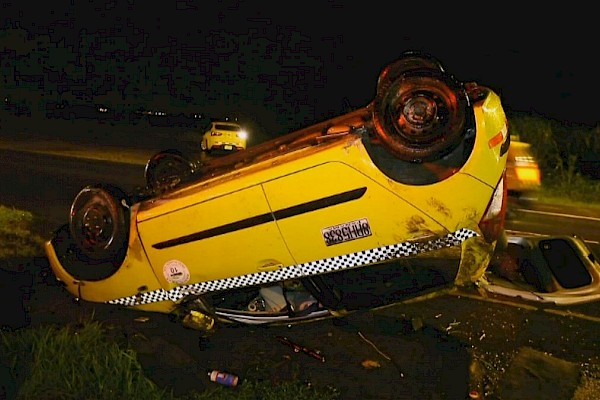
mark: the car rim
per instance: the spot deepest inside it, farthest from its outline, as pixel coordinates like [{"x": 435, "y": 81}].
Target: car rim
[
  {"x": 166, "y": 170},
  {"x": 419, "y": 112},
  {"x": 98, "y": 223}
]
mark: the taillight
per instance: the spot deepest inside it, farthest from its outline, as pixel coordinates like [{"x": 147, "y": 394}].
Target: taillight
[
  {"x": 215, "y": 134},
  {"x": 492, "y": 223}
]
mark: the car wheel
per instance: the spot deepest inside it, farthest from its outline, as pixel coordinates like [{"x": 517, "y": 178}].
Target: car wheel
[
  {"x": 167, "y": 169},
  {"x": 99, "y": 222},
  {"x": 419, "y": 111},
  {"x": 204, "y": 147}
]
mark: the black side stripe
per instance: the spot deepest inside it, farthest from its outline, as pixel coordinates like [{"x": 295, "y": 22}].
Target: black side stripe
[
  {"x": 264, "y": 218},
  {"x": 505, "y": 145}
]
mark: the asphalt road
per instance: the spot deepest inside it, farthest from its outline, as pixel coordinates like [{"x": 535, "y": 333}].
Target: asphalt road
[{"x": 558, "y": 219}]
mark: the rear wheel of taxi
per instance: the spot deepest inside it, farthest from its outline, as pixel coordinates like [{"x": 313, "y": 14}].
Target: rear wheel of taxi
[
  {"x": 99, "y": 223},
  {"x": 167, "y": 169},
  {"x": 419, "y": 111}
]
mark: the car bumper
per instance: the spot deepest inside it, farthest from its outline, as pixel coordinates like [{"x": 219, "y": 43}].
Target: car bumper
[
  {"x": 227, "y": 147},
  {"x": 133, "y": 278}
]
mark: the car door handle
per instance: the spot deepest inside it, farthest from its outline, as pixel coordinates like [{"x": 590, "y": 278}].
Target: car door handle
[{"x": 271, "y": 266}]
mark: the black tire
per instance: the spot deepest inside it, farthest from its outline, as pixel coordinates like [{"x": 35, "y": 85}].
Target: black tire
[
  {"x": 166, "y": 169},
  {"x": 419, "y": 111},
  {"x": 99, "y": 223}
]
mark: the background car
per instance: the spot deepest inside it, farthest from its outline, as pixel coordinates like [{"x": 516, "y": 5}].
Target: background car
[
  {"x": 224, "y": 135},
  {"x": 523, "y": 175},
  {"x": 402, "y": 196}
]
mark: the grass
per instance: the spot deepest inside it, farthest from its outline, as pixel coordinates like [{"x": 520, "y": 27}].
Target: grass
[
  {"x": 560, "y": 149},
  {"x": 17, "y": 237},
  {"x": 81, "y": 361},
  {"x": 74, "y": 362},
  {"x": 574, "y": 190}
]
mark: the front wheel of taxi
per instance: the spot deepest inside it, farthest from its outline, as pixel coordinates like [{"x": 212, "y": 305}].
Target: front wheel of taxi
[
  {"x": 99, "y": 223},
  {"x": 419, "y": 111}
]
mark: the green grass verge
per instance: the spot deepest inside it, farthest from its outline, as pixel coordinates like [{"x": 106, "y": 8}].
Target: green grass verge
[
  {"x": 17, "y": 237},
  {"x": 80, "y": 361},
  {"x": 73, "y": 363},
  {"x": 576, "y": 190}
]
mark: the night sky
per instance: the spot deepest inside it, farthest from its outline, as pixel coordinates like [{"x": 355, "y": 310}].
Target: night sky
[{"x": 539, "y": 61}]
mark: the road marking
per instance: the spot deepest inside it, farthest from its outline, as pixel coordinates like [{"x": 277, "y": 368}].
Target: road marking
[
  {"x": 573, "y": 314},
  {"x": 523, "y": 233},
  {"x": 562, "y": 313},
  {"x": 459, "y": 293},
  {"x": 596, "y": 219},
  {"x": 526, "y": 233}
]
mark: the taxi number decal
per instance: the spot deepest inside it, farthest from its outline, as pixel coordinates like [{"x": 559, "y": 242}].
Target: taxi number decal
[
  {"x": 175, "y": 271},
  {"x": 346, "y": 232}
]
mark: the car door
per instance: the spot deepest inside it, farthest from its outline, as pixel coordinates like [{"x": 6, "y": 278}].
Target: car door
[
  {"x": 346, "y": 213},
  {"x": 217, "y": 240}
]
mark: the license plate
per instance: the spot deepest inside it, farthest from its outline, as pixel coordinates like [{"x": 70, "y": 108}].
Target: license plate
[
  {"x": 227, "y": 147},
  {"x": 347, "y": 231}
]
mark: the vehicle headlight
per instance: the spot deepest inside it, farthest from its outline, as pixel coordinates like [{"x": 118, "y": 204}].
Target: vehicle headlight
[{"x": 243, "y": 135}]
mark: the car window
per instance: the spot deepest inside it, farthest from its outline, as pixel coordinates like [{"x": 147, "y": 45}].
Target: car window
[
  {"x": 222, "y": 127},
  {"x": 565, "y": 264},
  {"x": 520, "y": 153}
]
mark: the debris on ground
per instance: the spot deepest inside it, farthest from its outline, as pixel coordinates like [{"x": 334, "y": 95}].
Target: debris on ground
[{"x": 299, "y": 348}]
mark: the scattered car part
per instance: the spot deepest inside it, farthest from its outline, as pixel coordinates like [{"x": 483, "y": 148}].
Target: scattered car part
[{"x": 559, "y": 270}]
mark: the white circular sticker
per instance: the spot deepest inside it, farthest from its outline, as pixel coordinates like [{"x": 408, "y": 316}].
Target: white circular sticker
[{"x": 176, "y": 272}]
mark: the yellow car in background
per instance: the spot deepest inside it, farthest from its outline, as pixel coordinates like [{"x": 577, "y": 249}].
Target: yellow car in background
[
  {"x": 225, "y": 136},
  {"x": 523, "y": 175},
  {"x": 400, "y": 197}
]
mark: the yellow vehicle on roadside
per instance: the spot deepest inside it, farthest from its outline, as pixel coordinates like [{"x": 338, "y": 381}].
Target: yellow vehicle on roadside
[
  {"x": 225, "y": 136},
  {"x": 523, "y": 175},
  {"x": 402, "y": 196}
]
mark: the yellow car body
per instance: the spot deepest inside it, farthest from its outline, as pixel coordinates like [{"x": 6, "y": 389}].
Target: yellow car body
[
  {"x": 224, "y": 135},
  {"x": 318, "y": 205}
]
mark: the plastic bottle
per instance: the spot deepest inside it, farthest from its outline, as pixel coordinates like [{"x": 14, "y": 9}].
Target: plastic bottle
[{"x": 223, "y": 378}]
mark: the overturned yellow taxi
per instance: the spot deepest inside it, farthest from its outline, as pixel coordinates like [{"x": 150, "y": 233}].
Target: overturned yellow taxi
[{"x": 401, "y": 196}]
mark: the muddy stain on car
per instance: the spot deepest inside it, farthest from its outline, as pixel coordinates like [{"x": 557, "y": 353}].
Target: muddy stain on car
[
  {"x": 416, "y": 223},
  {"x": 439, "y": 207}
]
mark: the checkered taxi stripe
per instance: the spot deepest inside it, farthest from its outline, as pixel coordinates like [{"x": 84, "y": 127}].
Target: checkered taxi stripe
[{"x": 318, "y": 267}]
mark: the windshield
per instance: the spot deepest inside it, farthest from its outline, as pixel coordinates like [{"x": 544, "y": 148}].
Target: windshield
[{"x": 223, "y": 127}]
